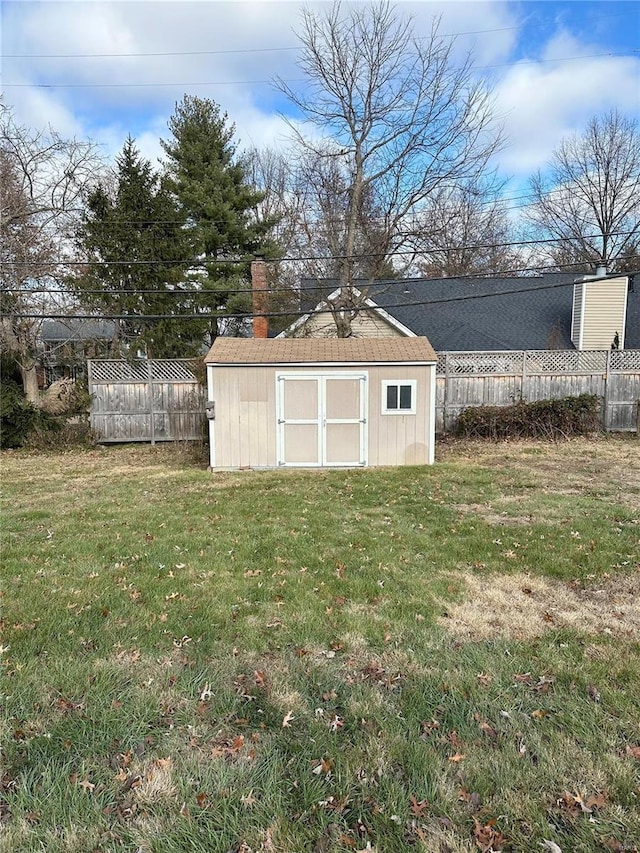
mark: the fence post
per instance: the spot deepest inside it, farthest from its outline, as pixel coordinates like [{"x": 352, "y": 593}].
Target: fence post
[
  {"x": 607, "y": 374},
  {"x": 523, "y": 380},
  {"x": 445, "y": 395},
  {"x": 151, "y": 414}
]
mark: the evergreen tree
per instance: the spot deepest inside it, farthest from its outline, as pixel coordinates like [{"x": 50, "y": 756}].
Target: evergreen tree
[
  {"x": 136, "y": 249},
  {"x": 219, "y": 204}
]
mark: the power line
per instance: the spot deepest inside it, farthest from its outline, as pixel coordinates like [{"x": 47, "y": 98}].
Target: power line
[
  {"x": 196, "y": 262},
  {"x": 221, "y": 314},
  {"x": 247, "y": 50},
  {"x": 294, "y": 80}
]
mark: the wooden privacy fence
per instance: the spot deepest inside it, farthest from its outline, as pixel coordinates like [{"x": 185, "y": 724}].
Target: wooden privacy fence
[
  {"x": 154, "y": 400},
  {"x": 467, "y": 379}
]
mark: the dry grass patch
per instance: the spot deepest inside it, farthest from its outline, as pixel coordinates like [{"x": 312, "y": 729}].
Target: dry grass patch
[{"x": 521, "y": 606}]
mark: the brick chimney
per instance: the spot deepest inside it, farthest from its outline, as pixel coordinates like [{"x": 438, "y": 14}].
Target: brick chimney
[{"x": 259, "y": 293}]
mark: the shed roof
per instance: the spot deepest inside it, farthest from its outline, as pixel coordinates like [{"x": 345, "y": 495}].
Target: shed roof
[{"x": 320, "y": 351}]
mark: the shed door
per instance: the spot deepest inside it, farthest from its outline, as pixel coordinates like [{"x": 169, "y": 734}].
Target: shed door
[{"x": 322, "y": 419}]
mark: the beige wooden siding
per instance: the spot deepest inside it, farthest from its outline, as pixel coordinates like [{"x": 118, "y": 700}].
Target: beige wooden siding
[
  {"x": 604, "y": 306},
  {"x": 368, "y": 324},
  {"x": 576, "y": 318},
  {"x": 245, "y": 424},
  {"x": 399, "y": 439}
]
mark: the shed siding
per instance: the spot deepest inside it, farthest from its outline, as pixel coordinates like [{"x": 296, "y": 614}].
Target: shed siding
[
  {"x": 604, "y": 310},
  {"x": 367, "y": 324},
  {"x": 245, "y": 422}
]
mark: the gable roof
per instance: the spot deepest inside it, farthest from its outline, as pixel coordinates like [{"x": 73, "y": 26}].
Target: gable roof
[
  {"x": 259, "y": 351},
  {"x": 499, "y": 313}
]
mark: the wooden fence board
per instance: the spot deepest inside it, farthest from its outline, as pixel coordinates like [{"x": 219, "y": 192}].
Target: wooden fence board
[
  {"x": 466, "y": 379},
  {"x": 145, "y": 401}
]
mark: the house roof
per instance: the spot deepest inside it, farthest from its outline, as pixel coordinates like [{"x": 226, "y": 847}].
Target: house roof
[
  {"x": 74, "y": 329},
  {"x": 320, "y": 351},
  {"x": 501, "y": 313}
]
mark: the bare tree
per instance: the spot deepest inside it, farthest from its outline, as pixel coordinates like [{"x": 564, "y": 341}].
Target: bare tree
[
  {"x": 588, "y": 199},
  {"x": 466, "y": 232},
  {"x": 42, "y": 182},
  {"x": 397, "y": 118}
]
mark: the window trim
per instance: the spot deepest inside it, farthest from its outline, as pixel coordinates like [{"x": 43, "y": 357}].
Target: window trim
[{"x": 386, "y": 383}]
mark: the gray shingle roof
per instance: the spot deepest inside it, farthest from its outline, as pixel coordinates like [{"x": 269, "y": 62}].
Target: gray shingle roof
[{"x": 501, "y": 313}]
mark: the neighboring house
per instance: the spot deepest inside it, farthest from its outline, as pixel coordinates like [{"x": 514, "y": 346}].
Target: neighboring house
[
  {"x": 551, "y": 311},
  {"x": 318, "y": 402},
  {"x": 66, "y": 345}
]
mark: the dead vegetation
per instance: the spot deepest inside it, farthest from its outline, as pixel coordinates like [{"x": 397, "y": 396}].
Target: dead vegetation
[{"x": 521, "y": 607}]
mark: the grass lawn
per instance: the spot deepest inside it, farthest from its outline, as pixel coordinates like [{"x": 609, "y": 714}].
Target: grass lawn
[{"x": 432, "y": 659}]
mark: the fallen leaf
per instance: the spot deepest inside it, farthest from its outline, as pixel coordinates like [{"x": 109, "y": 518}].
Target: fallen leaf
[
  {"x": 457, "y": 758},
  {"x": 632, "y": 751},
  {"x": 202, "y": 800},
  {"x": 418, "y": 807},
  {"x": 593, "y": 693},
  {"x": 550, "y": 846},
  {"x": 86, "y": 786},
  {"x": 248, "y": 800},
  {"x": 286, "y": 723},
  {"x": 487, "y": 837}
]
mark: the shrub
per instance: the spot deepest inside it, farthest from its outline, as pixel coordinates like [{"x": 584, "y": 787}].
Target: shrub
[{"x": 564, "y": 418}]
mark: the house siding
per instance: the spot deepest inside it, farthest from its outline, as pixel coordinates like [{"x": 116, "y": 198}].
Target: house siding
[
  {"x": 367, "y": 324},
  {"x": 604, "y": 306},
  {"x": 576, "y": 320}
]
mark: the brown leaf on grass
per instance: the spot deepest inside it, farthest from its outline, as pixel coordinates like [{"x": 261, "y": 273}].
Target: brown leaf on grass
[
  {"x": 485, "y": 728},
  {"x": 487, "y": 837},
  {"x": 288, "y": 718},
  {"x": 632, "y": 751},
  {"x": 575, "y": 804},
  {"x": 417, "y": 807},
  {"x": 457, "y": 758},
  {"x": 544, "y": 683},
  {"x": 252, "y": 573},
  {"x": 202, "y": 800},
  {"x": 484, "y": 679},
  {"x": 524, "y": 678},
  {"x": 454, "y": 738},
  {"x": 86, "y": 786},
  {"x": 540, "y": 714},
  {"x": 260, "y": 678},
  {"x": 474, "y": 799}
]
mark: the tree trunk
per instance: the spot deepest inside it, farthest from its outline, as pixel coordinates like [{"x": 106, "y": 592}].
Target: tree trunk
[{"x": 30, "y": 384}]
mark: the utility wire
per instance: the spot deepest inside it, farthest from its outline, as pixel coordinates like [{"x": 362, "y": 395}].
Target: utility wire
[
  {"x": 222, "y": 314},
  {"x": 294, "y": 80},
  {"x": 196, "y": 262},
  {"x": 249, "y": 50}
]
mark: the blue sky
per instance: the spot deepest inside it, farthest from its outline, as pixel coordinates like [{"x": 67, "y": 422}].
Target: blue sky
[{"x": 108, "y": 69}]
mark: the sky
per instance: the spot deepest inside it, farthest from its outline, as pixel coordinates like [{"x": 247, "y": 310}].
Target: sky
[{"x": 104, "y": 69}]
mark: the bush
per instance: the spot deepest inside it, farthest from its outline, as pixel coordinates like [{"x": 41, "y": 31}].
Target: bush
[
  {"x": 564, "y": 418},
  {"x": 24, "y": 425}
]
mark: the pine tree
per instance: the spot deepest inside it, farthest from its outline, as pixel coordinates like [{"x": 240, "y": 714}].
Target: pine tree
[
  {"x": 135, "y": 245},
  {"x": 215, "y": 197}
]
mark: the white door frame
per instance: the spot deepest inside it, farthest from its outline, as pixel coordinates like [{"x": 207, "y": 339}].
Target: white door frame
[{"x": 321, "y": 377}]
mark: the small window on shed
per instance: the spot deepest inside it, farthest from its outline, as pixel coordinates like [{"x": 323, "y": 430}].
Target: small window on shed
[{"x": 399, "y": 398}]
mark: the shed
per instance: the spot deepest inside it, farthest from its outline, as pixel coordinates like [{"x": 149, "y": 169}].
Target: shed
[{"x": 321, "y": 402}]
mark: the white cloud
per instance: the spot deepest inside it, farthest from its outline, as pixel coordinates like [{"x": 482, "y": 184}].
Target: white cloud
[{"x": 545, "y": 102}]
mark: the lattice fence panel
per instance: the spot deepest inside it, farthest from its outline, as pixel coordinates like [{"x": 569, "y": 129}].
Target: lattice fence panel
[
  {"x": 565, "y": 361},
  {"x": 118, "y": 371},
  {"x": 625, "y": 359},
  {"x": 476, "y": 363},
  {"x": 172, "y": 371}
]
